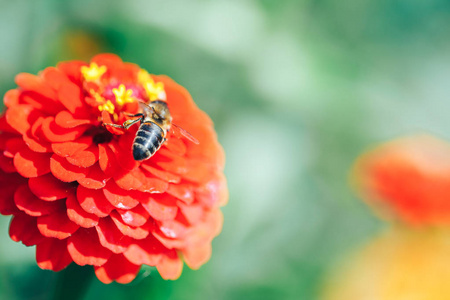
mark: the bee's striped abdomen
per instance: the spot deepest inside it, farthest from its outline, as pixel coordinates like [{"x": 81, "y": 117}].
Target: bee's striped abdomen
[{"x": 148, "y": 140}]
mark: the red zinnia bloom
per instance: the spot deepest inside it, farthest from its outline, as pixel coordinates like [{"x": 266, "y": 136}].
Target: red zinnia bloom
[
  {"x": 76, "y": 192},
  {"x": 408, "y": 179}
]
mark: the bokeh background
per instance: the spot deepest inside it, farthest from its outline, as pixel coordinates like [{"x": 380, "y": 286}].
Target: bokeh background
[{"x": 297, "y": 90}]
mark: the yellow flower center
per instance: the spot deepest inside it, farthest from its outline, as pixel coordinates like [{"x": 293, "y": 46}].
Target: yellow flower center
[
  {"x": 108, "y": 106},
  {"x": 154, "y": 90},
  {"x": 123, "y": 95},
  {"x": 93, "y": 72}
]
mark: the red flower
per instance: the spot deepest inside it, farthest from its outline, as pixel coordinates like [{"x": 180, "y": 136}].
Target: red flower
[
  {"x": 76, "y": 192},
  {"x": 408, "y": 179}
]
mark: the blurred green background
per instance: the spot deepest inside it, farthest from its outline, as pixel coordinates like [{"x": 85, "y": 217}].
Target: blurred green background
[{"x": 297, "y": 90}]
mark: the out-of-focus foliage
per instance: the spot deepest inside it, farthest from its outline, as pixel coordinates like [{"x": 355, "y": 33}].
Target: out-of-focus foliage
[{"x": 297, "y": 89}]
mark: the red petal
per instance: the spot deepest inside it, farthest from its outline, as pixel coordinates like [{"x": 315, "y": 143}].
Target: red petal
[
  {"x": 84, "y": 158},
  {"x": 65, "y": 171},
  {"x": 7, "y": 204},
  {"x": 161, "y": 207},
  {"x": 66, "y": 120},
  {"x": 166, "y": 176},
  {"x": 183, "y": 192},
  {"x": 93, "y": 201},
  {"x": 213, "y": 193},
  {"x": 36, "y": 144},
  {"x": 30, "y": 82},
  {"x": 40, "y": 102},
  {"x": 120, "y": 198},
  {"x": 48, "y": 188},
  {"x": 107, "y": 59},
  {"x": 145, "y": 252},
  {"x": 117, "y": 268},
  {"x": 110, "y": 237},
  {"x": 32, "y": 205},
  {"x": 54, "y": 77},
  {"x": 193, "y": 213},
  {"x": 170, "y": 266},
  {"x": 56, "y": 225},
  {"x": 195, "y": 257},
  {"x": 175, "y": 146},
  {"x": 170, "y": 162},
  {"x": 107, "y": 160},
  {"x": 133, "y": 232},
  {"x": 23, "y": 228},
  {"x": 55, "y": 133},
  {"x": 52, "y": 254},
  {"x": 106, "y": 118},
  {"x": 70, "y": 148},
  {"x": 11, "y": 98},
  {"x": 7, "y": 164},
  {"x": 12, "y": 146},
  {"x": 95, "y": 178},
  {"x": 85, "y": 248},
  {"x": 20, "y": 117},
  {"x": 71, "y": 97},
  {"x": 136, "y": 217},
  {"x": 78, "y": 215},
  {"x": 32, "y": 164},
  {"x": 137, "y": 180},
  {"x": 72, "y": 69}
]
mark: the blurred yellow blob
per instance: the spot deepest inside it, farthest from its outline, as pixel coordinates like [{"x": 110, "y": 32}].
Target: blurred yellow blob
[{"x": 401, "y": 264}]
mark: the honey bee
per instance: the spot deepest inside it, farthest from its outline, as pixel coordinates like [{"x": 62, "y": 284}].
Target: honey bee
[{"x": 155, "y": 123}]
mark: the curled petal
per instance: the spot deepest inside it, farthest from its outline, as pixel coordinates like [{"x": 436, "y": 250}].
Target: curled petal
[
  {"x": 84, "y": 158},
  {"x": 117, "y": 268},
  {"x": 78, "y": 215},
  {"x": 93, "y": 201},
  {"x": 66, "y": 120},
  {"x": 48, "y": 188},
  {"x": 107, "y": 160},
  {"x": 110, "y": 237},
  {"x": 94, "y": 179},
  {"x": 52, "y": 254},
  {"x": 195, "y": 257},
  {"x": 65, "y": 171},
  {"x": 85, "y": 249},
  {"x": 137, "y": 216},
  {"x": 32, "y": 164},
  {"x": 161, "y": 207},
  {"x": 55, "y": 133},
  {"x": 24, "y": 228},
  {"x": 71, "y": 97},
  {"x": 170, "y": 266},
  {"x": 20, "y": 117},
  {"x": 148, "y": 251},
  {"x": 137, "y": 180},
  {"x": 65, "y": 149},
  {"x": 30, "y": 82},
  {"x": 137, "y": 233},
  {"x": 56, "y": 225},
  {"x": 27, "y": 202},
  {"x": 120, "y": 198}
]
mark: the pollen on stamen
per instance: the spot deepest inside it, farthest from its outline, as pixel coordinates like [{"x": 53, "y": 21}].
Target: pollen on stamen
[
  {"x": 123, "y": 95},
  {"x": 93, "y": 72}
]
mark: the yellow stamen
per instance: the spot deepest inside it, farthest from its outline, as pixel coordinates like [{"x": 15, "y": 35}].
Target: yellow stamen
[
  {"x": 93, "y": 72},
  {"x": 123, "y": 95},
  {"x": 155, "y": 90},
  {"x": 108, "y": 106}
]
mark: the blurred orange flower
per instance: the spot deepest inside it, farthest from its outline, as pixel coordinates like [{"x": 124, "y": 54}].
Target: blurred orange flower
[
  {"x": 75, "y": 190},
  {"x": 407, "y": 179}
]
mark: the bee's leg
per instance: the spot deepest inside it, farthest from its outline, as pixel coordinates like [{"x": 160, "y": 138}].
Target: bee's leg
[
  {"x": 127, "y": 124},
  {"x": 136, "y": 115}
]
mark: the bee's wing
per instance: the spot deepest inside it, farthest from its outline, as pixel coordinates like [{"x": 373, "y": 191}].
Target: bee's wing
[{"x": 177, "y": 130}]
